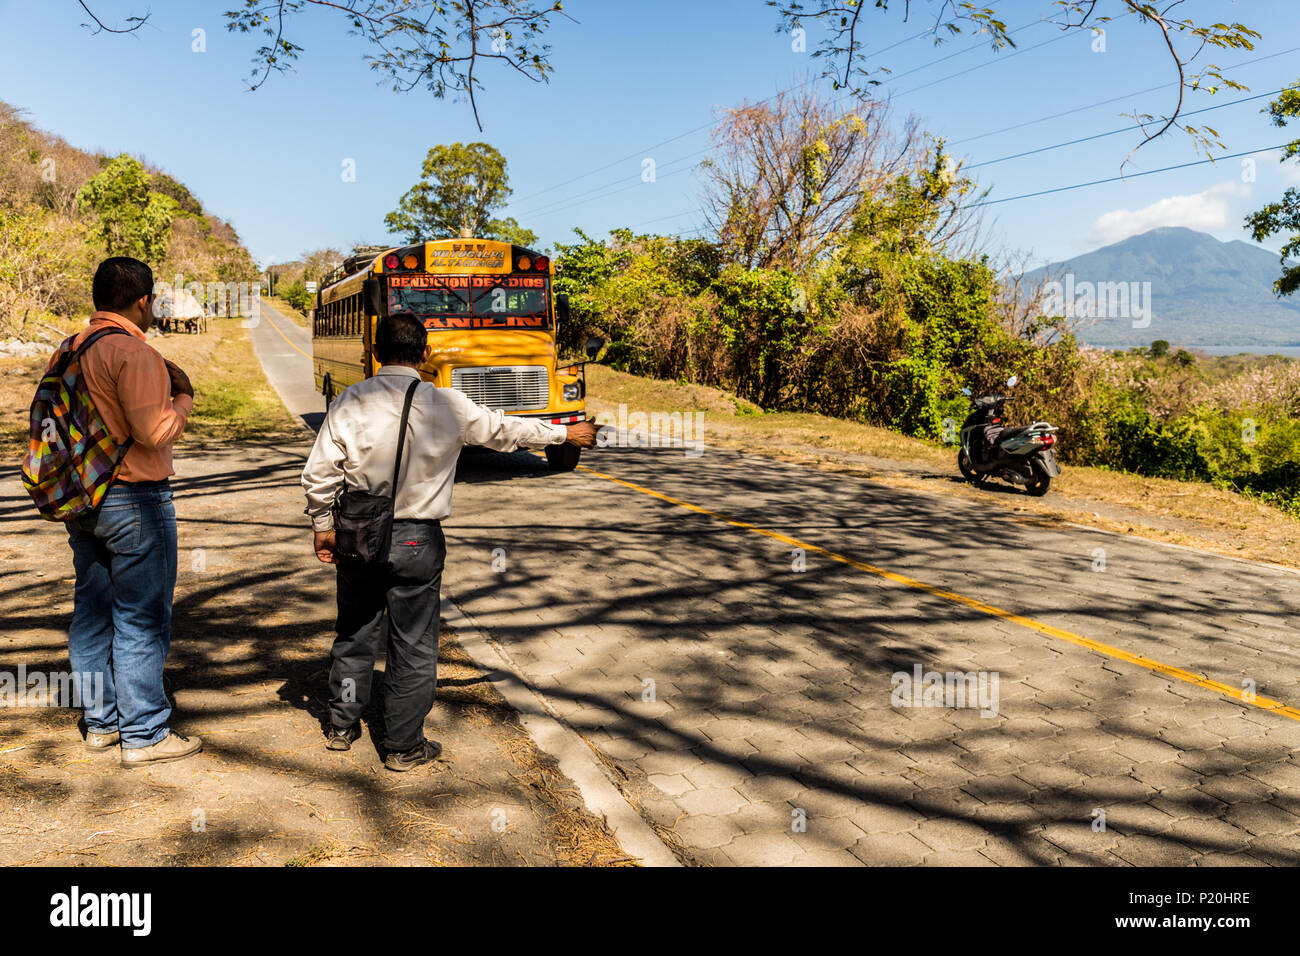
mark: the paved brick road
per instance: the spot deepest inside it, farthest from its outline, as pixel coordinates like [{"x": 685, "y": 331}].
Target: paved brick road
[{"x": 767, "y": 735}]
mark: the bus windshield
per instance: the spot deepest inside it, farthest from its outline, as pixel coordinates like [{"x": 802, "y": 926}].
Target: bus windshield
[{"x": 471, "y": 302}]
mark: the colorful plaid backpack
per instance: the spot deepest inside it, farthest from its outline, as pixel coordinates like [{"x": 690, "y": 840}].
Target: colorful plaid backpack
[{"x": 72, "y": 457}]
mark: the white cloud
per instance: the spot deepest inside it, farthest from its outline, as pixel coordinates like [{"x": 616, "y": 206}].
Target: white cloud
[
  {"x": 1290, "y": 171},
  {"x": 1206, "y": 211}
]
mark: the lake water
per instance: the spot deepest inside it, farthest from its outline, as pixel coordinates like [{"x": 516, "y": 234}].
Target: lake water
[{"x": 1290, "y": 351}]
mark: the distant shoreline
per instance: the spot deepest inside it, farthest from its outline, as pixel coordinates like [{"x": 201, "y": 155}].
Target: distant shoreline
[
  {"x": 1287, "y": 351},
  {"x": 1290, "y": 351}
]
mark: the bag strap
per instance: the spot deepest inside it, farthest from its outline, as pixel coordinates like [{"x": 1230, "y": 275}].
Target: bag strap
[
  {"x": 401, "y": 437},
  {"x": 90, "y": 340},
  {"x": 98, "y": 334},
  {"x": 68, "y": 351}
]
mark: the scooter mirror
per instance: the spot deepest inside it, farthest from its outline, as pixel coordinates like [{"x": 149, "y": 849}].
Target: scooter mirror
[{"x": 1012, "y": 381}]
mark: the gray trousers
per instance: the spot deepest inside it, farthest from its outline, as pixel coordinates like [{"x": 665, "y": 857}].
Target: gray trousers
[{"x": 397, "y": 600}]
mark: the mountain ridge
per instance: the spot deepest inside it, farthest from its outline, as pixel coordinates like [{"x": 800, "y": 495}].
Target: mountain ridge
[{"x": 1194, "y": 289}]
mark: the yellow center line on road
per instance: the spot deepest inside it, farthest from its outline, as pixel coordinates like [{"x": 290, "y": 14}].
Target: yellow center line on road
[
  {"x": 282, "y": 335},
  {"x": 1178, "y": 673}
]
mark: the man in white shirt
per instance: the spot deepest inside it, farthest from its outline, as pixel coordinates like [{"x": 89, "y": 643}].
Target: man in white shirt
[{"x": 357, "y": 446}]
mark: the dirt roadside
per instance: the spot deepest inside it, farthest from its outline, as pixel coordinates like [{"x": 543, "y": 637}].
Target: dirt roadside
[{"x": 251, "y": 634}]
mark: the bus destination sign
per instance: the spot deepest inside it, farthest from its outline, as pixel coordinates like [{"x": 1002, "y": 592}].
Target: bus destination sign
[{"x": 469, "y": 256}]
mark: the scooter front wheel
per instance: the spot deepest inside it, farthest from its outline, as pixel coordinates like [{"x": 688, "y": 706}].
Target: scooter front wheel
[{"x": 967, "y": 471}]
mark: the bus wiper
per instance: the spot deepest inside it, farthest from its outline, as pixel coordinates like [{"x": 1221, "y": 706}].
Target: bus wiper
[{"x": 447, "y": 288}]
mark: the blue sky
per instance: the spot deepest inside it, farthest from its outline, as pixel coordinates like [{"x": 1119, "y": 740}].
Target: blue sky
[{"x": 629, "y": 76}]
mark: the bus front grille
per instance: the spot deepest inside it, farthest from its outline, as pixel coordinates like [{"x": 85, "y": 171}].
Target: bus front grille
[{"x": 510, "y": 387}]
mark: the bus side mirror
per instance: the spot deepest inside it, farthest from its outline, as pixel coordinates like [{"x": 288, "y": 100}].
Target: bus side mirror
[
  {"x": 562, "y": 312},
  {"x": 594, "y": 345},
  {"x": 374, "y": 301}
]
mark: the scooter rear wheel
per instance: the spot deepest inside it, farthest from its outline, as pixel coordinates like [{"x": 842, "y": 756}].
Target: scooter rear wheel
[{"x": 1038, "y": 487}]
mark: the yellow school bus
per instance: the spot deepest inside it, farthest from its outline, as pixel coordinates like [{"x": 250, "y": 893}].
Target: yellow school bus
[{"x": 492, "y": 321}]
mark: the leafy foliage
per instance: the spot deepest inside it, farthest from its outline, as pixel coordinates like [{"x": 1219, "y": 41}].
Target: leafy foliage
[
  {"x": 1283, "y": 216},
  {"x": 459, "y": 189},
  {"x": 62, "y": 210},
  {"x": 436, "y": 44},
  {"x": 132, "y": 218},
  {"x": 1182, "y": 40}
]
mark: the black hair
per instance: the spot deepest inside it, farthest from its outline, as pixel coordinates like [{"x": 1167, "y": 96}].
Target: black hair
[
  {"x": 119, "y": 282},
  {"x": 401, "y": 338}
]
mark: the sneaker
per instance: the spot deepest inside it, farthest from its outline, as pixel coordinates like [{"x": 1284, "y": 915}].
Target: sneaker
[
  {"x": 172, "y": 747},
  {"x": 402, "y": 762},
  {"x": 99, "y": 742},
  {"x": 342, "y": 739}
]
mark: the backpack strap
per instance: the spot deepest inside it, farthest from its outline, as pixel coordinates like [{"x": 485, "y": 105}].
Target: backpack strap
[
  {"x": 401, "y": 437},
  {"x": 79, "y": 350},
  {"x": 98, "y": 334}
]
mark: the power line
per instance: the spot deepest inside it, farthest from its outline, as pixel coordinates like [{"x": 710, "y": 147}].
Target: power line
[
  {"x": 573, "y": 201},
  {"x": 559, "y": 205},
  {"x": 1114, "y": 179},
  {"x": 1100, "y": 182},
  {"x": 1114, "y": 99},
  {"x": 564, "y": 203},
  {"x": 1113, "y": 132},
  {"x": 802, "y": 84},
  {"x": 644, "y": 150},
  {"x": 1000, "y": 59},
  {"x": 1241, "y": 65}
]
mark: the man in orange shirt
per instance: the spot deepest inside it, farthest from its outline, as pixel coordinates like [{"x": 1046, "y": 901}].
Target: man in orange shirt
[{"x": 124, "y": 552}]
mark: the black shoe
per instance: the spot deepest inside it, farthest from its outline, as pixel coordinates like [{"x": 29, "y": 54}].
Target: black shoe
[
  {"x": 401, "y": 762},
  {"x": 342, "y": 739}
]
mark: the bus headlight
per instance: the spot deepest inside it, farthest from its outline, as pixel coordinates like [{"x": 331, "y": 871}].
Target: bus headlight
[{"x": 572, "y": 391}]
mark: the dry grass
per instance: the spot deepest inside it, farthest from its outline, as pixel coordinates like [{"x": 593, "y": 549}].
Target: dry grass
[
  {"x": 1193, "y": 514},
  {"x": 287, "y": 310},
  {"x": 233, "y": 400}
]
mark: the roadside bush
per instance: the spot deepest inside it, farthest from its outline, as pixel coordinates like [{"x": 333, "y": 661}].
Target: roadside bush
[{"x": 296, "y": 294}]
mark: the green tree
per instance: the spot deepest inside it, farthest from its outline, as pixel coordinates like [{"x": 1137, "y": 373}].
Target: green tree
[
  {"x": 1283, "y": 216},
  {"x": 460, "y": 187},
  {"x": 132, "y": 219},
  {"x": 1159, "y": 348}
]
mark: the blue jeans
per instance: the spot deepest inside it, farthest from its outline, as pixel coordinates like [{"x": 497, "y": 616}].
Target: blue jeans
[{"x": 125, "y": 558}]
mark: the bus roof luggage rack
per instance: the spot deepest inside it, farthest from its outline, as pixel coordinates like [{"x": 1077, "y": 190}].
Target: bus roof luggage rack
[{"x": 362, "y": 257}]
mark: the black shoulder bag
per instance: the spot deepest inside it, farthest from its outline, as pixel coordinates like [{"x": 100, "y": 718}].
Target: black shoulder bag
[{"x": 363, "y": 523}]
